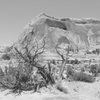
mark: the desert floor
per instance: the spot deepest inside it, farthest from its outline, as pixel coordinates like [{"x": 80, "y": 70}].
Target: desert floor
[{"x": 76, "y": 91}]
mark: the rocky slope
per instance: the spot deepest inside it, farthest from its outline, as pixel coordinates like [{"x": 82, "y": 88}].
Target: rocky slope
[{"x": 77, "y": 33}]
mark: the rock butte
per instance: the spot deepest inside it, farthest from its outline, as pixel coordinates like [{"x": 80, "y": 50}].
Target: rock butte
[{"x": 77, "y": 33}]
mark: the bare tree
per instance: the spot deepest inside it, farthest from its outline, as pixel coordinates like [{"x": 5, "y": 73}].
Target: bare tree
[
  {"x": 30, "y": 53},
  {"x": 64, "y": 54}
]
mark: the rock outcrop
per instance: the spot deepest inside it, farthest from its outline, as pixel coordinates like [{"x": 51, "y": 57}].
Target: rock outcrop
[{"x": 77, "y": 33}]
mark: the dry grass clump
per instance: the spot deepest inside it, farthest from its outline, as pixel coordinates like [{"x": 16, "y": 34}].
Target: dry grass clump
[{"x": 79, "y": 76}]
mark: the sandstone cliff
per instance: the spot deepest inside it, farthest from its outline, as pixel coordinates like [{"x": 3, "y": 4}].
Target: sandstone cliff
[{"x": 77, "y": 33}]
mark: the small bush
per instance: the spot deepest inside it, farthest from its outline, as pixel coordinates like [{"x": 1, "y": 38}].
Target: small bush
[
  {"x": 5, "y": 57},
  {"x": 80, "y": 76},
  {"x": 83, "y": 69},
  {"x": 73, "y": 61},
  {"x": 21, "y": 78},
  {"x": 8, "y": 49},
  {"x": 70, "y": 71},
  {"x": 53, "y": 62},
  {"x": 95, "y": 69}
]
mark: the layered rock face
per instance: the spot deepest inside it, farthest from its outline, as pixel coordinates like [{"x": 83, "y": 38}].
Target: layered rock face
[{"x": 77, "y": 33}]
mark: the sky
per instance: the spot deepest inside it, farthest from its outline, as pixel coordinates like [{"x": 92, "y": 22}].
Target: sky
[{"x": 15, "y": 14}]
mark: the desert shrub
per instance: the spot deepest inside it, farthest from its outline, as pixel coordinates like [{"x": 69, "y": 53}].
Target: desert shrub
[
  {"x": 25, "y": 77},
  {"x": 86, "y": 66},
  {"x": 8, "y": 49},
  {"x": 53, "y": 62},
  {"x": 80, "y": 76},
  {"x": 21, "y": 78},
  {"x": 5, "y": 57},
  {"x": 95, "y": 69},
  {"x": 1, "y": 73},
  {"x": 70, "y": 70},
  {"x": 83, "y": 69},
  {"x": 76, "y": 61},
  {"x": 73, "y": 61}
]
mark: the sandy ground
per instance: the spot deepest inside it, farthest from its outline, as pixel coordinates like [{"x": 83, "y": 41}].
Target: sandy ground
[{"x": 76, "y": 91}]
